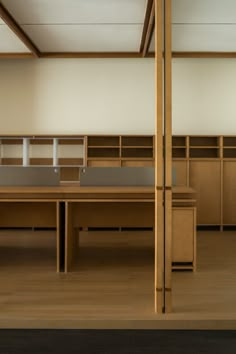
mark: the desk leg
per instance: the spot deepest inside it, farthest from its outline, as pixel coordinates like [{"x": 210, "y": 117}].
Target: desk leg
[
  {"x": 60, "y": 236},
  {"x": 70, "y": 241},
  {"x": 194, "y": 239}
]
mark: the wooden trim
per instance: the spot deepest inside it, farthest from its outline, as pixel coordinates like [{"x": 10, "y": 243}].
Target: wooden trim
[
  {"x": 221, "y": 183},
  {"x": 15, "y": 27},
  {"x": 213, "y": 55},
  {"x": 159, "y": 216},
  {"x": 16, "y": 56},
  {"x": 146, "y": 35},
  {"x": 51, "y": 55},
  {"x": 58, "y": 236},
  {"x": 200, "y": 55},
  {"x": 168, "y": 154}
]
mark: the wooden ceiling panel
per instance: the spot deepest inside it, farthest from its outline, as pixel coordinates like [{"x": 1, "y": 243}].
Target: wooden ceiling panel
[
  {"x": 9, "y": 42},
  {"x": 215, "y": 38},
  {"x": 89, "y": 38},
  {"x": 76, "y": 11},
  {"x": 204, "y": 11}
]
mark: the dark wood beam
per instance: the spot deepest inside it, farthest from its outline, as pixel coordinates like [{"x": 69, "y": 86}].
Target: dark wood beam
[
  {"x": 150, "y": 5},
  {"x": 204, "y": 55},
  {"x": 150, "y": 31},
  {"x": 211, "y": 55},
  {"x": 16, "y": 55},
  {"x": 90, "y": 55},
  {"x": 15, "y": 27}
]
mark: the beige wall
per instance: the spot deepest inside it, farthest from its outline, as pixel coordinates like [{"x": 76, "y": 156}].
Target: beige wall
[
  {"x": 204, "y": 96},
  {"x": 105, "y": 96},
  {"x": 77, "y": 96}
]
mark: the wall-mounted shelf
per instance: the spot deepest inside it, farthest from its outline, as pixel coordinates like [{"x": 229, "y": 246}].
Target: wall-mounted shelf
[
  {"x": 179, "y": 147},
  {"x": 120, "y": 150},
  {"x": 64, "y": 152}
]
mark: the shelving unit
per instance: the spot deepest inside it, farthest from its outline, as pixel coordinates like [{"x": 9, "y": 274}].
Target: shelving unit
[
  {"x": 179, "y": 147},
  {"x": 206, "y": 163},
  {"x": 11, "y": 151},
  {"x": 204, "y": 147},
  {"x": 120, "y": 151},
  {"x": 68, "y": 153},
  {"x": 103, "y": 151},
  {"x": 229, "y": 147}
]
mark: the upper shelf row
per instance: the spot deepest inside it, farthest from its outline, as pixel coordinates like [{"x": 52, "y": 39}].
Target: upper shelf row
[{"x": 93, "y": 149}]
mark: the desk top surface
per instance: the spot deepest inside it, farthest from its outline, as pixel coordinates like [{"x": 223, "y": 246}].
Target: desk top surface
[{"x": 73, "y": 191}]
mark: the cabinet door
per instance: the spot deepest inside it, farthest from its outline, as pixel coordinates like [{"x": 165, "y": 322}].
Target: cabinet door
[
  {"x": 204, "y": 177},
  {"x": 180, "y": 168},
  {"x": 183, "y": 231},
  {"x": 229, "y": 192}
]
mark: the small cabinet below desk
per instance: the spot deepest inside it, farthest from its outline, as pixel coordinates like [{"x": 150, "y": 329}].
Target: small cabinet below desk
[{"x": 184, "y": 238}]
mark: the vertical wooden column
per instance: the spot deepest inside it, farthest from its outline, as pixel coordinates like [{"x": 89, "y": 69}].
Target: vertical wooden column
[
  {"x": 163, "y": 167},
  {"x": 159, "y": 210},
  {"x": 167, "y": 155}
]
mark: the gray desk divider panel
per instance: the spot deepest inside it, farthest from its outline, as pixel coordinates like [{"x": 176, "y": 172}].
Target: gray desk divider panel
[
  {"x": 123, "y": 176},
  {"x": 115, "y": 176},
  {"x": 29, "y": 176}
]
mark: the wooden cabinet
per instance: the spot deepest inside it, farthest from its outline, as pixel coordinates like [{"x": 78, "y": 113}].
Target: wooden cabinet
[
  {"x": 205, "y": 178},
  {"x": 229, "y": 192},
  {"x": 184, "y": 237},
  {"x": 181, "y": 172}
]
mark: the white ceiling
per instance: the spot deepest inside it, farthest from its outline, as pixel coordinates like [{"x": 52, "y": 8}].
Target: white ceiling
[
  {"x": 117, "y": 25},
  {"x": 204, "y": 38},
  {"x": 81, "y": 25},
  {"x": 203, "y": 11},
  {"x": 76, "y": 11},
  {"x": 203, "y": 25},
  {"x": 9, "y": 42},
  {"x": 89, "y": 38}
]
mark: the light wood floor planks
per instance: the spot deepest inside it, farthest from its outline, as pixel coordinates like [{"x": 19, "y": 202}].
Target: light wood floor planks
[{"x": 112, "y": 283}]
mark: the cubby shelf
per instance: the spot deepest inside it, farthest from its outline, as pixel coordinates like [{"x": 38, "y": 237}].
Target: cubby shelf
[
  {"x": 123, "y": 148},
  {"x": 68, "y": 153}
]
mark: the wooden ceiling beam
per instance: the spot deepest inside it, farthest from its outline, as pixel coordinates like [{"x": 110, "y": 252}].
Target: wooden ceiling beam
[
  {"x": 210, "y": 55},
  {"x": 148, "y": 28},
  {"x": 204, "y": 55},
  {"x": 16, "y": 55},
  {"x": 15, "y": 27},
  {"x": 90, "y": 55}
]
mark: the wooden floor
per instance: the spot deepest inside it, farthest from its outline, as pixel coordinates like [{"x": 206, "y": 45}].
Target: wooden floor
[{"x": 112, "y": 283}]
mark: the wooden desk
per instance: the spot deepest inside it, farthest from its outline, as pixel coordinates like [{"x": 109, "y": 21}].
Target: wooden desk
[{"x": 70, "y": 207}]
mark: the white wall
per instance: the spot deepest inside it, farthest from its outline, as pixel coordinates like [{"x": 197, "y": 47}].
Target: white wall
[
  {"x": 71, "y": 96},
  {"x": 204, "y": 96},
  {"x": 105, "y": 96}
]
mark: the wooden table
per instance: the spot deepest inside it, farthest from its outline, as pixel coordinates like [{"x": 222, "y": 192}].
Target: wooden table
[{"x": 71, "y": 207}]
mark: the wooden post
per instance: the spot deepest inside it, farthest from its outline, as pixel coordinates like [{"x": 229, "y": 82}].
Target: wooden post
[
  {"x": 163, "y": 167},
  {"x": 168, "y": 155},
  {"x": 159, "y": 211}
]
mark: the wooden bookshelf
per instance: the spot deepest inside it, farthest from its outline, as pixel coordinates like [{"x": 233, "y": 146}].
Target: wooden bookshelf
[
  {"x": 120, "y": 151},
  {"x": 206, "y": 163},
  {"x": 68, "y": 153},
  {"x": 179, "y": 147}
]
